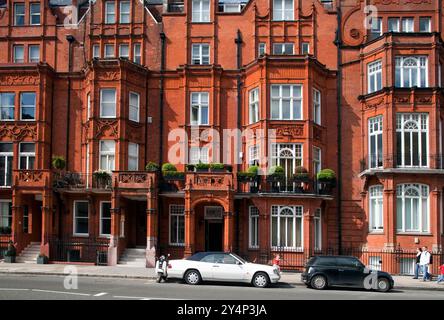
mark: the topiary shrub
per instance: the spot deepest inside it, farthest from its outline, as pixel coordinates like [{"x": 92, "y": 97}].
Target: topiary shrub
[
  {"x": 217, "y": 167},
  {"x": 152, "y": 167},
  {"x": 253, "y": 170},
  {"x": 58, "y": 162},
  {"x": 168, "y": 167},
  {"x": 326, "y": 175}
]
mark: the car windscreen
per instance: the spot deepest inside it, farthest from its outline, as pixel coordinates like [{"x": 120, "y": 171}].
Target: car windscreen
[
  {"x": 197, "y": 256},
  {"x": 239, "y": 258}
]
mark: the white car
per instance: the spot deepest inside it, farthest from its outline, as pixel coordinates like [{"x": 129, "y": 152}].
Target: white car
[{"x": 220, "y": 266}]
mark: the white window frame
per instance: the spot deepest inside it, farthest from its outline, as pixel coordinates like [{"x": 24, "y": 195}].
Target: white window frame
[
  {"x": 133, "y": 156},
  {"x": 376, "y": 209},
  {"x": 110, "y": 12},
  {"x": 16, "y": 59},
  {"x": 121, "y": 46},
  {"x": 296, "y": 213},
  {"x": 113, "y": 54},
  {"x": 96, "y": 51},
  {"x": 135, "y": 115},
  {"x": 7, "y": 107},
  {"x": 408, "y": 24},
  {"x": 16, "y": 15},
  {"x": 200, "y": 58},
  {"x": 27, "y": 155},
  {"x": 109, "y": 155},
  {"x": 422, "y": 63},
  {"x": 200, "y": 105},
  {"x": 8, "y": 158},
  {"x": 253, "y": 102},
  {"x": 31, "y": 48},
  {"x": 305, "y": 48},
  {"x": 102, "y": 106},
  {"x": 88, "y": 105},
  {"x": 375, "y": 129},
  {"x": 107, "y": 235},
  {"x": 280, "y": 48},
  {"x": 374, "y": 76},
  {"x": 34, "y": 14},
  {"x": 198, "y": 154},
  {"x": 74, "y": 216},
  {"x": 429, "y": 24},
  {"x": 200, "y": 14},
  {"x": 317, "y": 105},
  {"x": 423, "y": 199},
  {"x": 317, "y": 228},
  {"x": 137, "y": 53},
  {"x": 176, "y": 212},
  {"x": 254, "y": 155},
  {"x": 317, "y": 160},
  {"x": 28, "y": 106},
  {"x": 398, "y": 24},
  {"x": 253, "y": 227},
  {"x": 125, "y": 13},
  {"x": 285, "y": 13},
  {"x": 292, "y": 98},
  {"x": 421, "y": 121}
]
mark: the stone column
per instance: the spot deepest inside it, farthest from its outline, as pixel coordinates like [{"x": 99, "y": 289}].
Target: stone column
[
  {"x": 113, "y": 251},
  {"x": 17, "y": 218},
  {"x": 308, "y": 232},
  {"x": 189, "y": 231},
  {"x": 46, "y": 222},
  {"x": 151, "y": 225},
  {"x": 228, "y": 231},
  {"x": 389, "y": 212}
]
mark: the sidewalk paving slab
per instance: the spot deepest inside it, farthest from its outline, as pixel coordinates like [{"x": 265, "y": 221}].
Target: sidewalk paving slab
[{"x": 294, "y": 278}]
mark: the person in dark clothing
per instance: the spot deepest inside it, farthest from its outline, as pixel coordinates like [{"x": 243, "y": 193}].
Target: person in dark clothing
[{"x": 417, "y": 265}]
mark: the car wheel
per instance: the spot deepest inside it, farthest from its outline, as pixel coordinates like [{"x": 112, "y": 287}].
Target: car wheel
[
  {"x": 260, "y": 280},
  {"x": 383, "y": 285},
  {"x": 318, "y": 282},
  {"x": 192, "y": 277}
]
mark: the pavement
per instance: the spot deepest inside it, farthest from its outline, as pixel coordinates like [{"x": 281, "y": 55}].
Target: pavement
[{"x": 293, "y": 278}]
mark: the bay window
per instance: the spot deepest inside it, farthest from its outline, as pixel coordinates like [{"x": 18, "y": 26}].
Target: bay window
[
  {"x": 124, "y": 51},
  {"x": 133, "y": 156},
  {"x": 6, "y": 155},
  {"x": 177, "y": 225},
  {"x": 200, "y": 11},
  {"x": 283, "y": 48},
  {"x": 425, "y": 24},
  {"x": 108, "y": 103},
  {"x": 408, "y": 25},
  {"x": 26, "y": 155},
  {"x": 134, "y": 106},
  {"x": 393, "y": 25},
  {"x": 376, "y": 222},
  {"x": 107, "y": 149},
  {"x": 288, "y": 156},
  {"x": 286, "y": 102},
  {"x": 137, "y": 58},
  {"x": 254, "y": 105},
  {"x": 253, "y": 155},
  {"x": 317, "y": 164},
  {"x": 253, "y": 227},
  {"x": 81, "y": 218},
  {"x": 283, "y": 10},
  {"x": 374, "y": 76},
  {"x": 412, "y": 139},
  {"x": 7, "y": 107},
  {"x": 199, "y": 108},
  {"x": 376, "y": 28},
  {"x": 109, "y": 51},
  {"x": 27, "y": 105},
  {"x": 286, "y": 227},
  {"x": 200, "y": 53},
  {"x": 375, "y": 142},
  {"x": 412, "y": 207},
  {"x": 317, "y": 106},
  {"x": 411, "y": 71}
]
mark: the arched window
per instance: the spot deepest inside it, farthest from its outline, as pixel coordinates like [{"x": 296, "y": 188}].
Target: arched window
[
  {"x": 411, "y": 71},
  {"x": 286, "y": 226},
  {"x": 412, "y": 206},
  {"x": 412, "y": 136}
]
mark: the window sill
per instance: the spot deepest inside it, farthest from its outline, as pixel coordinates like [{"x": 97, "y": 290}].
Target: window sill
[
  {"x": 80, "y": 235},
  {"x": 414, "y": 233},
  {"x": 376, "y": 233},
  {"x": 180, "y": 245}
]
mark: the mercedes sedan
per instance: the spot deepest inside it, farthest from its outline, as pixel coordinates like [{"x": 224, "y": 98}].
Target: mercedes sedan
[{"x": 221, "y": 266}]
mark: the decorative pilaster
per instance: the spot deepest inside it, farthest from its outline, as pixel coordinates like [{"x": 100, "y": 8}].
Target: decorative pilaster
[{"x": 228, "y": 231}]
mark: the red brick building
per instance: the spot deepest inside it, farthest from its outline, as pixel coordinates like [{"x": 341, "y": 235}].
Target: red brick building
[{"x": 109, "y": 86}]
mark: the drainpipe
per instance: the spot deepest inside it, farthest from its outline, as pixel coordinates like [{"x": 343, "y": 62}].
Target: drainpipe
[
  {"x": 70, "y": 40},
  {"x": 338, "y": 43},
  {"x": 238, "y": 42}
]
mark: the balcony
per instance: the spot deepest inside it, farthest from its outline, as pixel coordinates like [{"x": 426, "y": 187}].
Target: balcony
[
  {"x": 31, "y": 178},
  {"x": 134, "y": 179},
  {"x": 79, "y": 182}
]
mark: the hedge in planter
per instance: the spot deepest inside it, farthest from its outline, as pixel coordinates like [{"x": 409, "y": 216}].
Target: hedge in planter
[
  {"x": 152, "y": 167},
  {"x": 168, "y": 167},
  {"x": 217, "y": 167},
  {"x": 173, "y": 175},
  {"x": 202, "y": 167},
  {"x": 326, "y": 175},
  {"x": 276, "y": 174}
]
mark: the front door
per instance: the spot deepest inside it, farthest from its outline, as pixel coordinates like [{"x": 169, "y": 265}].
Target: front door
[
  {"x": 140, "y": 224},
  {"x": 213, "y": 235}
]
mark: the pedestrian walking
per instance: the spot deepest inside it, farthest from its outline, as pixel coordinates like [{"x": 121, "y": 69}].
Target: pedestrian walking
[
  {"x": 417, "y": 265},
  {"x": 441, "y": 274},
  {"x": 424, "y": 262}
]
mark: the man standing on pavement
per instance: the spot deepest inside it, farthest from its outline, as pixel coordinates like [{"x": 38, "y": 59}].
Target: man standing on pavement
[{"x": 424, "y": 262}]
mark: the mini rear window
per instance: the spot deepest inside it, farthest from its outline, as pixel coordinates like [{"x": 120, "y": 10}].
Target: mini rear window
[
  {"x": 325, "y": 261},
  {"x": 197, "y": 256}
]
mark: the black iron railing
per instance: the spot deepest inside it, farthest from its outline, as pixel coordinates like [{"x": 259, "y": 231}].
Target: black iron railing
[
  {"x": 78, "y": 249},
  {"x": 4, "y": 242}
]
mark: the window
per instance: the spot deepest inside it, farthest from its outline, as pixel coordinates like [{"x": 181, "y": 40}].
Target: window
[
  {"x": 425, "y": 24},
  {"x": 317, "y": 160},
  {"x": 253, "y": 228},
  {"x": 393, "y": 25},
  {"x": 105, "y": 218},
  {"x": 305, "y": 48},
  {"x": 134, "y": 106},
  {"x": 317, "y": 229},
  {"x": 177, "y": 225},
  {"x": 198, "y": 155},
  {"x": 317, "y": 106},
  {"x": 408, "y": 25},
  {"x": 25, "y": 219},
  {"x": 231, "y": 7},
  {"x": 5, "y": 216},
  {"x": 88, "y": 106},
  {"x": 124, "y": 51},
  {"x": 412, "y": 139},
  {"x": 412, "y": 203},
  {"x": 411, "y": 71},
  {"x": 286, "y": 102},
  {"x": 254, "y": 105},
  {"x": 376, "y": 222},
  {"x": 27, "y": 106},
  {"x": 374, "y": 76},
  {"x": 288, "y": 156},
  {"x": 6, "y": 155},
  {"x": 108, "y": 103},
  {"x": 124, "y": 12},
  {"x": 286, "y": 226},
  {"x": 107, "y": 155},
  {"x": 262, "y": 49},
  {"x": 376, "y": 28},
  {"x": 283, "y": 10},
  {"x": 109, "y": 51},
  {"x": 34, "y": 53},
  {"x": 96, "y": 51},
  {"x": 200, "y": 53},
  {"x": 133, "y": 156},
  {"x": 34, "y": 13},
  {"x": 137, "y": 55},
  {"x": 253, "y": 155},
  {"x": 201, "y": 10},
  {"x": 26, "y": 156},
  {"x": 199, "y": 108},
  {"x": 7, "y": 106},
  {"x": 110, "y": 12},
  {"x": 19, "y": 54},
  {"x": 283, "y": 48},
  {"x": 375, "y": 142},
  {"x": 19, "y": 14},
  {"x": 81, "y": 218}
]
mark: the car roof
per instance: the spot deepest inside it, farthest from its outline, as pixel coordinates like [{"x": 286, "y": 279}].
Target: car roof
[{"x": 337, "y": 256}]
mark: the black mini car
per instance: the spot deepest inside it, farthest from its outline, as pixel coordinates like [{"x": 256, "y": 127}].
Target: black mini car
[{"x": 343, "y": 271}]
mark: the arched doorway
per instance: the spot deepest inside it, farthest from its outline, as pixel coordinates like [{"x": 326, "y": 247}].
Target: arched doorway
[{"x": 209, "y": 227}]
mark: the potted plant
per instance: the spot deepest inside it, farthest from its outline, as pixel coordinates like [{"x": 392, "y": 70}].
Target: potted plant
[
  {"x": 300, "y": 175},
  {"x": 168, "y": 167},
  {"x": 202, "y": 167},
  {"x": 152, "y": 167},
  {"x": 10, "y": 253},
  {"x": 169, "y": 172},
  {"x": 248, "y": 176},
  {"x": 103, "y": 178},
  {"x": 217, "y": 167},
  {"x": 58, "y": 162},
  {"x": 327, "y": 180},
  {"x": 276, "y": 176},
  {"x": 190, "y": 167},
  {"x": 42, "y": 259}
]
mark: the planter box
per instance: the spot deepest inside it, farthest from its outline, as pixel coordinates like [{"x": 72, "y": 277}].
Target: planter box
[
  {"x": 218, "y": 170},
  {"x": 9, "y": 259},
  {"x": 42, "y": 260}
]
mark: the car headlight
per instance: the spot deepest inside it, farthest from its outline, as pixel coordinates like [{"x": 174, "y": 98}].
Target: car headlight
[
  {"x": 310, "y": 270},
  {"x": 276, "y": 271}
]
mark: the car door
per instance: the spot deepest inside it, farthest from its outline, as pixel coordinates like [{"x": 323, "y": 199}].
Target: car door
[
  {"x": 205, "y": 267},
  {"x": 328, "y": 267},
  {"x": 228, "y": 268},
  {"x": 350, "y": 272}
]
